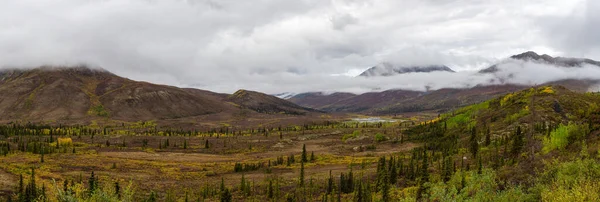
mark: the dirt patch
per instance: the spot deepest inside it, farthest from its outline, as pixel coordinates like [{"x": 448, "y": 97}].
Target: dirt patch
[
  {"x": 7, "y": 183},
  {"x": 170, "y": 156}
]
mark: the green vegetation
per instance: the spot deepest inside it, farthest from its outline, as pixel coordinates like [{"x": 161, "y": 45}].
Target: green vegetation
[
  {"x": 550, "y": 151},
  {"x": 464, "y": 115},
  {"x": 564, "y": 135},
  {"x": 98, "y": 110},
  {"x": 354, "y": 134},
  {"x": 380, "y": 137}
]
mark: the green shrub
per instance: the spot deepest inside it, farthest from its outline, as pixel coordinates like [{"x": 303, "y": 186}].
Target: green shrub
[
  {"x": 563, "y": 136},
  {"x": 354, "y": 134},
  {"x": 380, "y": 137}
]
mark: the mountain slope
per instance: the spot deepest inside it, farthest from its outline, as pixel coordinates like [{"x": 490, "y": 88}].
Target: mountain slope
[
  {"x": 319, "y": 100},
  {"x": 534, "y": 57},
  {"x": 388, "y": 69},
  {"x": 402, "y": 101},
  {"x": 80, "y": 94},
  {"x": 264, "y": 103}
]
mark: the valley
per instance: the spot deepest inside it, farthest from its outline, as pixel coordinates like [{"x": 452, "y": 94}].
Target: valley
[{"x": 535, "y": 144}]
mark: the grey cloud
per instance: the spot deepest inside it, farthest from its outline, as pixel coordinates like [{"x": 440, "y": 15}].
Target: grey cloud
[
  {"x": 277, "y": 46},
  {"x": 340, "y": 21}
]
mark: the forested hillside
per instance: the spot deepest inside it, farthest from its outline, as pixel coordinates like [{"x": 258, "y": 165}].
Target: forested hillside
[{"x": 539, "y": 144}]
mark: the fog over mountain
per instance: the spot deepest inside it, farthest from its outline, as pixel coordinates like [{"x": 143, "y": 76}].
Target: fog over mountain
[{"x": 301, "y": 46}]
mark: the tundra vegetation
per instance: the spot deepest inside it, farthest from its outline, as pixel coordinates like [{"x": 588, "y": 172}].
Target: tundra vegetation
[{"x": 540, "y": 144}]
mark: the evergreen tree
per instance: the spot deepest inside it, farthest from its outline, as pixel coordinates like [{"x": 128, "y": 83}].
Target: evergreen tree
[
  {"x": 92, "y": 183},
  {"x": 312, "y": 156},
  {"x": 42, "y": 156},
  {"x": 304, "y": 155},
  {"x": 270, "y": 189},
  {"x": 152, "y": 197},
  {"x": 21, "y": 185},
  {"x": 302, "y": 174},
  {"x": 385, "y": 189},
  {"x": 518, "y": 143},
  {"x": 480, "y": 167},
  {"x": 330, "y": 183},
  {"x": 222, "y": 187},
  {"x": 488, "y": 137},
  {"x": 425, "y": 168},
  {"x": 117, "y": 190},
  {"x": 381, "y": 173},
  {"x": 474, "y": 145}
]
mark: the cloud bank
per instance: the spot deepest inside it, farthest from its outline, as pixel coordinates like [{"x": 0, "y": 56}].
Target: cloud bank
[{"x": 290, "y": 46}]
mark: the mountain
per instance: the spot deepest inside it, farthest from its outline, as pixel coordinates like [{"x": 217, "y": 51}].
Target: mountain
[
  {"x": 264, "y": 103},
  {"x": 404, "y": 101},
  {"x": 285, "y": 96},
  {"x": 317, "y": 100},
  {"x": 534, "y": 57},
  {"x": 401, "y": 101},
  {"x": 81, "y": 94},
  {"x": 388, "y": 69}
]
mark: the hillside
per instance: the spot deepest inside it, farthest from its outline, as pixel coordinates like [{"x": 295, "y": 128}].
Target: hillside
[
  {"x": 319, "y": 100},
  {"x": 400, "y": 101},
  {"x": 546, "y": 59},
  {"x": 81, "y": 94},
  {"x": 389, "y": 69},
  {"x": 539, "y": 144},
  {"x": 264, "y": 103}
]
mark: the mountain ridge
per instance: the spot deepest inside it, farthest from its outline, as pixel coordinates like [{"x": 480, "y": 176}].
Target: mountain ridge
[
  {"x": 81, "y": 94},
  {"x": 531, "y": 56},
  {"x": 388, "y": 69}
]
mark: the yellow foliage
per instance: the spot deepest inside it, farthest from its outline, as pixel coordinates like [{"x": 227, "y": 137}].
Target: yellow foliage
[
  {"x": 547, "y": 90},
  {"x": 65, "y": 141},
  {"x": 506, "y": 98}
]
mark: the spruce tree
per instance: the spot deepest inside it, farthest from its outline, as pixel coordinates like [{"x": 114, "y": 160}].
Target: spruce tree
[
  {"x": 488, "y": 137},
  {"x": 517, "y": 143},
  {"x": 270, "y": 189},
  {"x": 118, "y": 190},
  {"x": 226, "y": 195},
  {"x": 304, "y": 156},
  {"x": 425, "y": 167},
  {"x": 21, "y": 185},
  {"x": 480, "y": 167},
  {"x": 302, "y": 174},
  {"x": 92, "y": 183},
  {"x": 474, "y": 145},
  {"x": 330, "y": 183},
  {"x": 385, "y": 189}
]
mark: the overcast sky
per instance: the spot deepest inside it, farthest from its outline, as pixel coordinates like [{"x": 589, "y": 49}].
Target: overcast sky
[{"x": 291, "y": 45}]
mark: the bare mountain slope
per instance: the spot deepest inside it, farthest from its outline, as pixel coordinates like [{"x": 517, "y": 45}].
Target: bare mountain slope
[
  {"x": 264, "y": 103},
  {"x": 80, "y": 94}
]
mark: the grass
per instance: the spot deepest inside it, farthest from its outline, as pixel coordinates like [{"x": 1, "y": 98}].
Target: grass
[{"x": 99, "y": 110}]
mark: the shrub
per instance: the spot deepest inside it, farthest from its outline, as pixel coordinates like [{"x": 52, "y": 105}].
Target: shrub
[
  {"x": 563, "y": 136},
  {"x": 65, "y": 141},
  {"x": 354, "y": 134},
  {"x": 380, "y": 137}
]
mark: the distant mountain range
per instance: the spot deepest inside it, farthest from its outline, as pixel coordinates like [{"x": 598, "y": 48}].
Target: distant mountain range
[
  {"x": 81, "y": 94},
  {"x": 546, "y": 59},
  {"x": 401, "y": 101},
  {"x": 388, "y": 69},
  {"x": 285, "y": 96}
]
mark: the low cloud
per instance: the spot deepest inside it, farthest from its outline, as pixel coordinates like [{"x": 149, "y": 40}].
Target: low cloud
[
  {"x": 279, "y": 46},
  {"x": 510, "y": 72}
]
